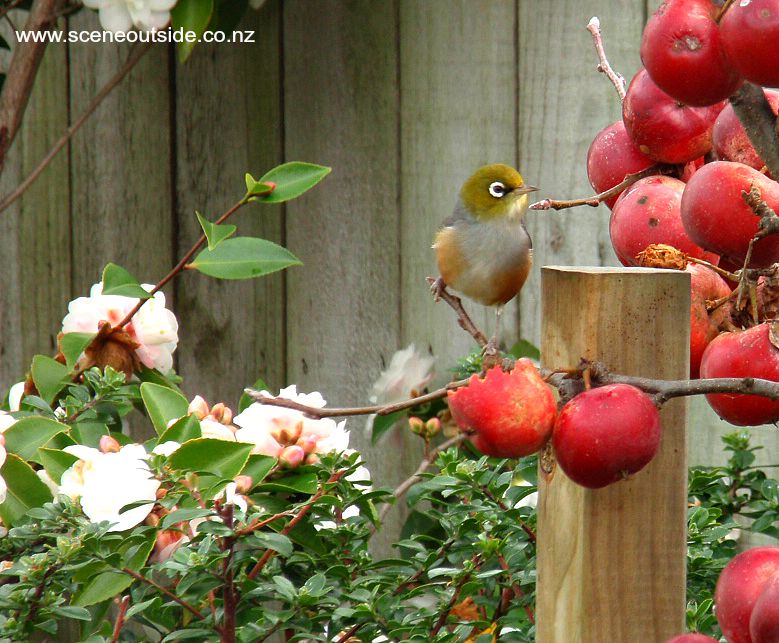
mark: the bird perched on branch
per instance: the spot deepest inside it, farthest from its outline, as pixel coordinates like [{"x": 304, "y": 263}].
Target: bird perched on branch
[{"x": 484, "y": 250}]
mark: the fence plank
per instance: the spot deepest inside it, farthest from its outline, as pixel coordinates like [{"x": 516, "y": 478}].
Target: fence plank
[
  {"x": 35, "y": 258},
  {"x": 228, "y": 122},
  {"x": 458, "y": 93},
  {"x": 563, "y": 103},
  {"x": 121, "y": 162}
]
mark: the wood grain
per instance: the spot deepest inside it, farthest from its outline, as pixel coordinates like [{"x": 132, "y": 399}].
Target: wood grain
[
  {"x": 611, "y": 562},
  {"x": 228, "y": 122}
]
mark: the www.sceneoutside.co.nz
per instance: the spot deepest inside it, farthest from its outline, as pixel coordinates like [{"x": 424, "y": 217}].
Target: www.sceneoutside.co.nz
[{"x": 245, "y": 36}]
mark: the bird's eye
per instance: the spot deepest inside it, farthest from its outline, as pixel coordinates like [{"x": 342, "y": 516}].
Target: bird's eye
[{"x": 497, "y": 189}]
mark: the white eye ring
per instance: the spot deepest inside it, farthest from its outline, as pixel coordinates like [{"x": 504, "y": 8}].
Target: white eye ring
[{"x": 497, "y": 189}]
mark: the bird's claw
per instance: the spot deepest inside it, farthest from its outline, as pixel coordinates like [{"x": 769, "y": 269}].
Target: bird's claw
[{"x": 437, "y": 288}]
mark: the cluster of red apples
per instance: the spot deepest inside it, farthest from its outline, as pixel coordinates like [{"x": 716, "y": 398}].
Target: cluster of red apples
[{"x": 678, "y": 128}]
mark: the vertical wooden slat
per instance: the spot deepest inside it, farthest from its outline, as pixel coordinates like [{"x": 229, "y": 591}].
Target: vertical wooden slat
[
  {"x": 228, "y": 122},
  {"x": 563, "y": 103},
  {"x": 37, "y": 254},
  {"x": 611, "y": 561},
  {"x": 458, "y": 92},
  {"x": 121, "y": 161}
]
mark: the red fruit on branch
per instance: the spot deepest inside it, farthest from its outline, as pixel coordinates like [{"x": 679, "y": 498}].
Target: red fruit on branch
[
  {"x": 683, "y": 52},
  {"x": 662, "y": 127},
  {"x": 511, "y": 414},
  {"x": 605, "y": 434},
  {"x": 747, "y": 353},
  {"x": 764, "y": 621},
  {"x": 705, "y": 285},
  {"x": 750, "y": 33},
  {"x": 717, "y": 218},
  {"x": 738, "y": 588},
  {"x": 611, "y": 157},
  {"x": 731, "y": 142},
  {"x": 647, "y": 212}
]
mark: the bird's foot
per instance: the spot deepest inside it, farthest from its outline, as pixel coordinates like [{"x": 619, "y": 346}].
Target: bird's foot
[
  {"x": 437, "y": 288},
  {"x": 490, "y": 355}
]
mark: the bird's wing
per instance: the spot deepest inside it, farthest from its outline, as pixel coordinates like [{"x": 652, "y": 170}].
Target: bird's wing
[{"x": 460, "y": 216}]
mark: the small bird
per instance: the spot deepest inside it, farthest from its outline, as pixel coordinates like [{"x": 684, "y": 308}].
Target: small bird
[{"x": 484, "y": 250}]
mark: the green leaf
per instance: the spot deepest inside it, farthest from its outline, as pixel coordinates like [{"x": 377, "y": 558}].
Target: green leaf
[
  {"x": 56, "y": 462},
  {"x": 184, "y": 515},
  {"x": 292, "y": 179},
  {"x": 383, "y": 423},
  {"x": 191, "y": 15},
  {"x": 49, "y": 376},
  {"x": 297, "y": 482},
  {"x": 89, "y": 433},
  {"x": 215, "y": 234},
  {"x": 28, "y": 434},
  {"x": 524, "y": 348},
  {"x": 117, "y": 281},
  {"x": 25, "y": 490},
  {"x": 78, "y": 613},
  {"x": 250, "y": 181},
  {"x": 258, "y": 467},
  {"x": 277, "y": 542},
  {"x": 187, "y": 428},
  {"x": 245, "y": 401},
  {"x": 72, "y": 345},
  {"x": 243, "y": 258},
  {"x": 102, "y": 587},
  {"x": 218, "y": 457},
  {"x": 163, "y": 405}
]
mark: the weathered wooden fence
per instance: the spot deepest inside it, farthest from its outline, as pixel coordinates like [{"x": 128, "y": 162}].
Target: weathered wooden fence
[{"x": 403, "y": 98}]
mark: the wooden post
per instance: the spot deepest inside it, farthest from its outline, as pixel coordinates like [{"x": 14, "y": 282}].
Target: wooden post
[{"x": 611, "y": 562}]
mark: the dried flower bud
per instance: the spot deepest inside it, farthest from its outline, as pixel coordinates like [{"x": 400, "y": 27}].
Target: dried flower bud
[
  {"x": 152, "y": 520},
  {"x": 109, "y": 444},
  {"x": 161, "y": 493}
]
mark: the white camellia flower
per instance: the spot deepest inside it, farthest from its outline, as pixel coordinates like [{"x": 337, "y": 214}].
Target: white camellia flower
[
  {"x": 123, "y": 15},
  {"x": 166, "y": 448},
  {"x": 15, "y": 395},
  {"x": 3, "y": 485},
  {"x": 154, "y": 327},
  {"x": 407, "y": 374},
  {"x": 6, "y": 421},
  {"x": 106, "y": 482},
  {"x": 272, "y": 428}
]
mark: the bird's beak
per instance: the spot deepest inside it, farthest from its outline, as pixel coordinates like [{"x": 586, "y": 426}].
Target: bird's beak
[{"x": 524, "y": 189}]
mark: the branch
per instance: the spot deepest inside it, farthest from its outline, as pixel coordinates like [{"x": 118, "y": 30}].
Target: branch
[
  {"x": 269, "y": 553},
  {"x": 593, "y": 26},
  {"x": 438, "y": 287},
  {"x": 123, "y": 605},
  {"x": 428, "y": 460},
  {"x": 760, "y": 123},
  {"x": 386, "y": 409},
  {"x": 140, "y": 577},
  {"x": 594, "y": 201},
  {"x": 24, "y": 65},
  {"x": 132, "y": 59}
]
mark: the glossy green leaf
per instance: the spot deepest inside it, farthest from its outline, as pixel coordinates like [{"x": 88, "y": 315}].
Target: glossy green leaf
[
  {"x": 25, "y": 490},
  {"x": 243, "y": 258},
  {"x": 258, "y": 467},
  {"x": 89, "y": 432},
  {"x": 297, "y": 482},
  {"x": 27, "y": 435},
  {"x": 56, "y": 462},
  {"x": 245, "y": 401},
  {"x": 191, "y": 15},
  {"x": 163, "y": 405},
  {"x": 187, "y": 428},
  {"x": 117, "y": 281},
  {"x": 524, "y": 348},
  {"x": 383, "y": 423},
  {"x": 217, "y": 457},
  {"x": 49, "y": 376},
  {"x": 292, "y": 179},
  {"x": 184, "y": 515},
  {"x": 72, "y": 345},
  {"x": 215, "y": 234}
]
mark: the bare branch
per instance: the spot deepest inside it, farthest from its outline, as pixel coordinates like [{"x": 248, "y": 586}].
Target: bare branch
[{"x": 593, "y": 26}]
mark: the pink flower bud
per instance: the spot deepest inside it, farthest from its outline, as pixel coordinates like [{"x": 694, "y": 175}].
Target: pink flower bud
[
  {"x": 292, "y": 456},
  {"x": 243, "y": 484},
  {"x": 221, "y": 413},
  {"x": 198, "y": 407},
  {"x": 432, "y": 427},
  {"x": 286, "y": 430},
  {"x": 109, "y": 444},
  {"x": 416, "y": 425}
]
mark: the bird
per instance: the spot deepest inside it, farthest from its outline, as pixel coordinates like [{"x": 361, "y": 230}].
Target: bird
[{"x": 483, "y": 250}]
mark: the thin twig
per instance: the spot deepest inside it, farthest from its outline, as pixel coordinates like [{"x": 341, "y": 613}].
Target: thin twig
[
  {"x": 453, "y": 601},
  {"x": 269, "y": 553},
  {"x": 349, "y": 633},
  {"x": 140, "y": 577},
  {"x": 428, "y": 460},
  {"x": 463, "y": 319},
  {"x": 132, "y": 59},
  {"x": 10, "y": 7},
  {"x": 595, "y": 200},
  {"x": 123, "y": 605},
  {"x": 326, "y": 412},
  {"x": 593, "y": 26}
]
